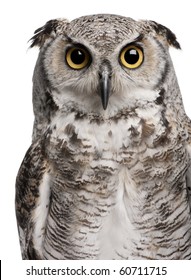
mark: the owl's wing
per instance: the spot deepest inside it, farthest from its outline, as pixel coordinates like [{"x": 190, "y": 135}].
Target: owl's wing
[
  {"x": 29, "y": 178},
  {"x": 188, "y": 175},
  {"x": 188, "y": 182}
]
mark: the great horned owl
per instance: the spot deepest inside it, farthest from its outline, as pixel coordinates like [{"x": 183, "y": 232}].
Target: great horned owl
[{"x": 108, "y": 173}]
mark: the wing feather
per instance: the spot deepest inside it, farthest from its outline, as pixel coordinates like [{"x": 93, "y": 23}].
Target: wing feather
[
  {"x": 28, "y": 180},
  {"x": 188, "y": 175}
]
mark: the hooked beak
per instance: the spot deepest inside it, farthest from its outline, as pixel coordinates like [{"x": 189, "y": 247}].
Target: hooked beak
[{"x": 105, "y": 84}]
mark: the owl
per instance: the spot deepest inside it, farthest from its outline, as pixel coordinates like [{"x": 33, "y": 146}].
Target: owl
[{"x": 108, "y": 173}]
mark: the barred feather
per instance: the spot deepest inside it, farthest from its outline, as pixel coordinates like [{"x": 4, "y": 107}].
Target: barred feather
[{"x": 114, "y": 183}]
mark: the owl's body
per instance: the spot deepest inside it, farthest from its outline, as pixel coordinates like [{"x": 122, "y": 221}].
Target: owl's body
[{"x": 108, "y": 173}]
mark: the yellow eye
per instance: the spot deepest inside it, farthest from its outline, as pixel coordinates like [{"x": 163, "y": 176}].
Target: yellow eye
[
  {"x": 77, "y": 58},
  {"x": 131, "y": 57}
]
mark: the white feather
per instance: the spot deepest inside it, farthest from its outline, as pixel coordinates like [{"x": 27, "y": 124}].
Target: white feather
[{"x": 41, "y": 212}]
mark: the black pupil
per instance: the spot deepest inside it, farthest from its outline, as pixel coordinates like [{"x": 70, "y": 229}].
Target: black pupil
[
  {"x": 131, "y": 56},
  {"x": 77, "y": 56}
]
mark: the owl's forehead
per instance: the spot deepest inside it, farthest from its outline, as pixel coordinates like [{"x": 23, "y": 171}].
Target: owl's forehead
[{"x": 103, "y": 30}]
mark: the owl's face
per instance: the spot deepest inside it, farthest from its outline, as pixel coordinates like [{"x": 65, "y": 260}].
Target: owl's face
[{"x": 105, "y": 62}]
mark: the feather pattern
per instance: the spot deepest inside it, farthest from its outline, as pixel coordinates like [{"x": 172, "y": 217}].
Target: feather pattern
[{"x": 114, "y": 183}]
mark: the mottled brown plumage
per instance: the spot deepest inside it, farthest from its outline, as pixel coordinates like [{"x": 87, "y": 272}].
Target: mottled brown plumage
[{"x": 108, "y": 173}]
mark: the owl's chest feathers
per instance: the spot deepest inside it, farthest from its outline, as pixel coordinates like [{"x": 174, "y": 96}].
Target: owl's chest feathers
[
  {"x": 82, "y": 147},
  {"x": 130, "y": 152},
  {"x": 111, "y": 177}
]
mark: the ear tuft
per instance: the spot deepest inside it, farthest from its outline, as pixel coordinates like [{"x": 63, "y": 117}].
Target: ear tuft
[
  {"x": 167, "y": 33},
  {"x": 49, "y": 30}
]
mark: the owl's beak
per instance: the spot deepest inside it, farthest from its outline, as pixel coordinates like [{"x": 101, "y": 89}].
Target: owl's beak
[{"x": 105, "y": 84}]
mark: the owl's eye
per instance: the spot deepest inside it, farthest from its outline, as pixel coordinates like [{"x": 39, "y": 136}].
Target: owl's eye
[
  {"x": 77, "y": 58},
  {"x": 131, "y": 57}
]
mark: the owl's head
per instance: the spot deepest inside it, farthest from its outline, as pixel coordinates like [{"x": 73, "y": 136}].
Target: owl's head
[{"x": 104, "y": 62}]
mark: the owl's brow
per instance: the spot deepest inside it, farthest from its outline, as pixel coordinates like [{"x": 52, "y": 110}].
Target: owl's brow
[
  {"x": 70, "y": 40},
  {"x": 138, "y": 38}
]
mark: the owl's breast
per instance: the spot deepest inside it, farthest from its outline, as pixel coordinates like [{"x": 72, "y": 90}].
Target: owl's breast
[
  {"x": 96, "y": 149},
  {"x": 109, "y": 180}
]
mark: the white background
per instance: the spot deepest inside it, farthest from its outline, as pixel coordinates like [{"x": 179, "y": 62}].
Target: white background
[{"x": 18, "y": 20}]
